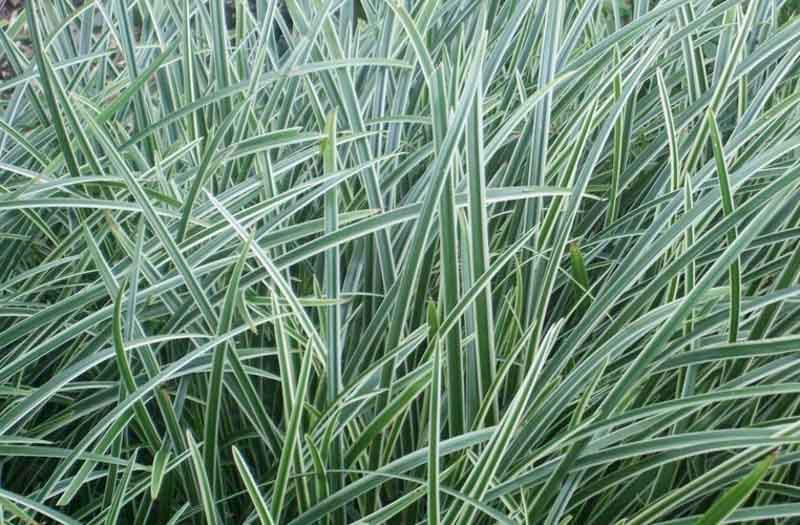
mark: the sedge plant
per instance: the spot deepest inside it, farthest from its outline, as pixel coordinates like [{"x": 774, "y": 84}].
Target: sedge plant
[{"x": 378, "y": 261}]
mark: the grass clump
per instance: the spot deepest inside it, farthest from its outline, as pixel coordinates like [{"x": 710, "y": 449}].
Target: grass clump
[{"x": 326, "y": 261}]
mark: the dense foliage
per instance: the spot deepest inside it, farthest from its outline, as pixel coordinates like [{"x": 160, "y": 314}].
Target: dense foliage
[{"x": 443, "y": 261}]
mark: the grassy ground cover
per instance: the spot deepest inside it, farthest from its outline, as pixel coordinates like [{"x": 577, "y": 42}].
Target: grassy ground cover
[{"x": 441, "y": 261}]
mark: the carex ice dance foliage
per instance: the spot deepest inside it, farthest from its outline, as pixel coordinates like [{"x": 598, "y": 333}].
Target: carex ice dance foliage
[{"x": 378, "y": 261}]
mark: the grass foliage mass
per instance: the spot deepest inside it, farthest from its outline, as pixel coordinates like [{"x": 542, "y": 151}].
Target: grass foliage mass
[{"x": 433, "y": 261}]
